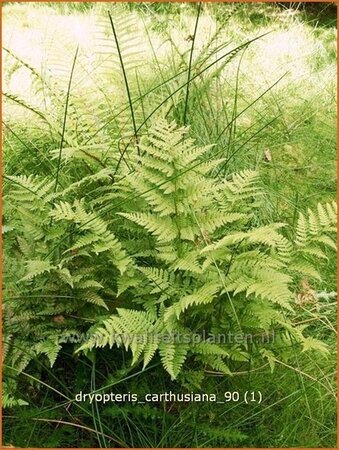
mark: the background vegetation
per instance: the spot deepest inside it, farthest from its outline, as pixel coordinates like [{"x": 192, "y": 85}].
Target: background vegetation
[{"x": 269, "y": 107}]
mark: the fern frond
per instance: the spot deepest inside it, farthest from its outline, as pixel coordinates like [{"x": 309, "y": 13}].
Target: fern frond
[
  {"x": 208, "y": 348},
  {"x": 162, "y": 227},
  {"x": 217, "y": 363},
  {"x": 63, "y": 211},
  {"x": 35, "y": 268},
  {"x": 242, "y": 186},
  {"x": 203, "y": 295},
  {"x": 173, "y": 356},
  {"x": 50, "y": 348}
]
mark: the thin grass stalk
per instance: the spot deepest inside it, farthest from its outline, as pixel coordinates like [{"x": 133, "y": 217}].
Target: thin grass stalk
[
  {"x": 230, "y": 54},
  {"x": 40, "y": 154},
  {"x": 96, "y": 414},
  {"x": 223, "y": 167},
  {"x": 177, "y": 90},
  {"x": 63, "y": 422},
  {"x": 251, "y": 104},
  {"x": 232, "y": 132},
  {"x": 190, "y": 65},
  {"x": 65, "y": 119},
  {"x": 125, "y": 78}
]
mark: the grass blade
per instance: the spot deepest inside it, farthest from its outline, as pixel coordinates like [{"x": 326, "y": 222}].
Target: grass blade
[
  {"x": 65, "y": 119},
  {"x": 190, "y": 65},
  {"x": 125, "y": 77}
]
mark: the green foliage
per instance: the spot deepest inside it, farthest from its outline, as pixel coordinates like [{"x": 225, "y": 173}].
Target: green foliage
[
  {"x": 160, "y": 245},
  {"x": 186, "y": 250},
  {"x": 204, "y": 251}
]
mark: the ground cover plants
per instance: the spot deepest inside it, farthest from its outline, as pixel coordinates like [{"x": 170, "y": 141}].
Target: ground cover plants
[{"x": 169, "y": 225}]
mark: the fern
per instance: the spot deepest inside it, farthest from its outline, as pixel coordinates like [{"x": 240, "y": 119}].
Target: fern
[
  {"x": 179, "y": 253},
  {"x": 173, "y": 357},
  {"x": 35, "y": 268},
  {"x": 203, "y": 295},
  {"x": 254, "y": 265}
]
